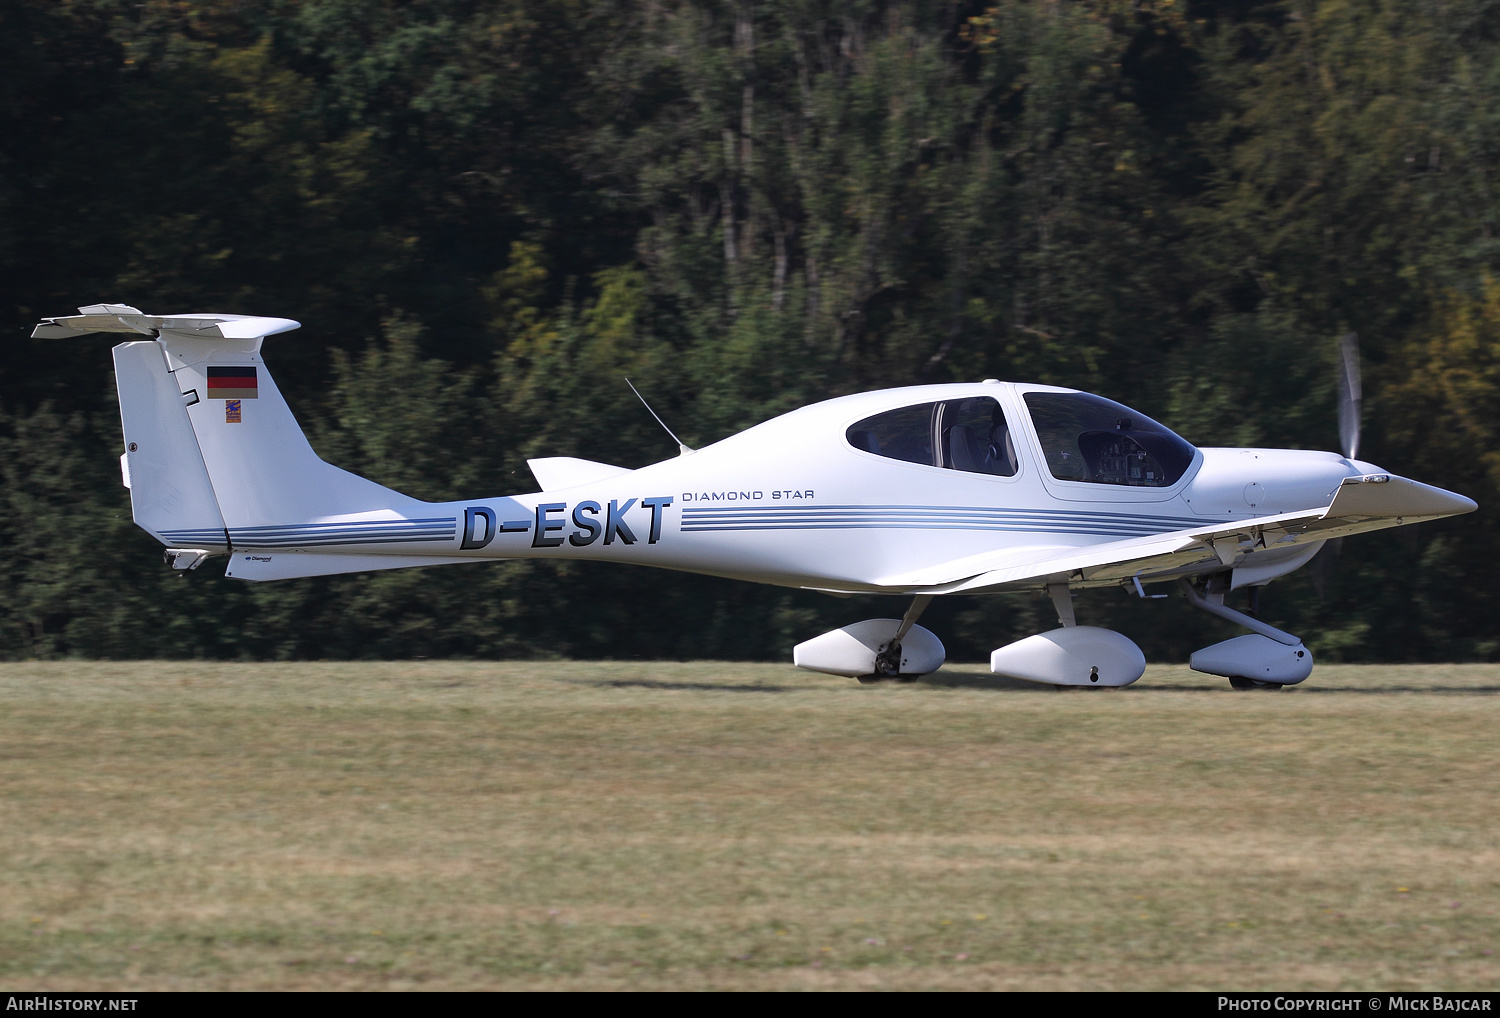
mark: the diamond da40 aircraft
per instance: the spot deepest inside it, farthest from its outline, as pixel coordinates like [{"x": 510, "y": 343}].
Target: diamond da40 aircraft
[{"x": 921, "y": 491}]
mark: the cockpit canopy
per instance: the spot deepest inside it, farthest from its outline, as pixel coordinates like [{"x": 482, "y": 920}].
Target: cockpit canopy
[
  {"x": 1090, "y": 438},
  {"x": 1083, "y": 438}
]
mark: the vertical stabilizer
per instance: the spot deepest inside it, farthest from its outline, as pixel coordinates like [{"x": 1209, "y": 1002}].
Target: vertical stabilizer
[{"x": 264, "y": 472}]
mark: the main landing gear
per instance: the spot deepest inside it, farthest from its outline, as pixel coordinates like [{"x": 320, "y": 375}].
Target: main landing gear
[
  {"x": 888, "y": 658},
  {"x": 1074, "y": 655},
  {"x": 876, "y": 649}
]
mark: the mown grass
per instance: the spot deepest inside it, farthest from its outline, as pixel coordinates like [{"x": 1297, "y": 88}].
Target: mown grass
[{"x": 598, "y": 825}]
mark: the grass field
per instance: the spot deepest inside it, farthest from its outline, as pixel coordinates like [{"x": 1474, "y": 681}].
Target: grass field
[{"x": 600, "y": 825}]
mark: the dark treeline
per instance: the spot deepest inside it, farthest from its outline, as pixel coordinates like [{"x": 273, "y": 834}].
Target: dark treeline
[{"x": 485, "y": 212}]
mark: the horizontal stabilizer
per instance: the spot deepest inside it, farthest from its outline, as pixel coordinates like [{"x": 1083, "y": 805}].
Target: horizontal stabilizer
[
  {"x": 124, "y": 318},
  {"x": 554, "y": 473}
]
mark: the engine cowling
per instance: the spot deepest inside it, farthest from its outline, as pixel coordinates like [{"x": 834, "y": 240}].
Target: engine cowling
[
  {"x": 851, "y": 650},
  {"x": 1072, "y": 656}
]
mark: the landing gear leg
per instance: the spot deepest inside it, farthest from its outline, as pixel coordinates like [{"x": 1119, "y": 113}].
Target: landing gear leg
[
  {"x": 1062, "y": 600},
  {"x": 888, "y": 658},
  {"x": 1290, "y": 662}
]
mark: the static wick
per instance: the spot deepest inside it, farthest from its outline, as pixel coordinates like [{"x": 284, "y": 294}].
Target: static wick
[{"x": 682, "y": 448}]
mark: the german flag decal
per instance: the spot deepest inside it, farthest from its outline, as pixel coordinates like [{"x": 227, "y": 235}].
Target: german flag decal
[{"x": 231, "y": 383}]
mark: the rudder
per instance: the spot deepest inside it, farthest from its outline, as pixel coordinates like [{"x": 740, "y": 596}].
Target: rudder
[{"x": 171, "y": 496}]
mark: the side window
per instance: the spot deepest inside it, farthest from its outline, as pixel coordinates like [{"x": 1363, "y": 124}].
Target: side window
[
  {"x": 961, "y": 434},
  {"x": 975, "y": 437},
  {"x": 1090, "y": 438},
  {"x": 904, "y": 434}
]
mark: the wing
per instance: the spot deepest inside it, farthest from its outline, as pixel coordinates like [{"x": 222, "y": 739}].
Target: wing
[{"x": 1258, "y": 548}]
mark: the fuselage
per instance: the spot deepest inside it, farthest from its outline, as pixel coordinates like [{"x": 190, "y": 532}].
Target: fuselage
[{"x": 840, "y": 495}]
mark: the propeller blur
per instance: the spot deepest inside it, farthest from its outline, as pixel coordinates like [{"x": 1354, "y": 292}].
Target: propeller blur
[{"x": 922, "y": 491}]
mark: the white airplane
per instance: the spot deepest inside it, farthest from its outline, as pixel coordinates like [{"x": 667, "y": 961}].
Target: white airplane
[{"x": 923, "y": 491}]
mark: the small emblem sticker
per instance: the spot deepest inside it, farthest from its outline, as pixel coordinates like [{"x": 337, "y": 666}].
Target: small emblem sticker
[{"x": 231, "y": 411}]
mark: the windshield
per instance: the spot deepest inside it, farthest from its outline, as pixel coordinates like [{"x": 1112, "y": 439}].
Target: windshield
[{"x": 1090, "y": 438}]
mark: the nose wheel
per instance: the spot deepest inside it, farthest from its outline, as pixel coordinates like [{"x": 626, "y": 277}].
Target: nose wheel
[{"x": 1265, "y": 658}]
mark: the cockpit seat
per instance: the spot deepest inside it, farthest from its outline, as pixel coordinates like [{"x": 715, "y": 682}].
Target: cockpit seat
[
  {"x": 865, "y": 441},
  {"x": 1000, "y": 457},
  {"x": 964, "y": 450}
]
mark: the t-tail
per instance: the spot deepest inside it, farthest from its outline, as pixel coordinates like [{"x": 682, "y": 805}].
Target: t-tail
[{"x": 216, "y": 463}]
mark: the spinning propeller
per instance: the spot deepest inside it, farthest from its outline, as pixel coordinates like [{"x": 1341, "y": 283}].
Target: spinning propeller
[
  {"x": 1351, "y": 395},
  {"x": 1351, "y": 398}
]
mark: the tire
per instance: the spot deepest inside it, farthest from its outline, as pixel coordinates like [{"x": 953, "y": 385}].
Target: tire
[{"x": 1243, "y": 684}]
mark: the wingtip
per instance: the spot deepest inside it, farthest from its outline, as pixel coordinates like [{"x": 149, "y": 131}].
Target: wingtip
[{"x": 1393, "y": 496}]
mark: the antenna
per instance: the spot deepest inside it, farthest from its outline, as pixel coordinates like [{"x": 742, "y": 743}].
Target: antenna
[{"x": 683, "y": 450}]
